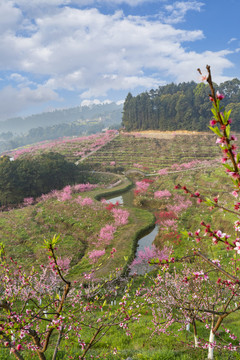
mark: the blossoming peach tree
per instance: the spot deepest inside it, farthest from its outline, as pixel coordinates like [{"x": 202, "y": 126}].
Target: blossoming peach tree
[
  {"x": 41, "y": 311},
  {"x": 205, "y": 290}
]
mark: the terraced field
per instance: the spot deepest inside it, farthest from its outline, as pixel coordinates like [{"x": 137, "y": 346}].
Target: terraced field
[{"x": 152, "y": 154}]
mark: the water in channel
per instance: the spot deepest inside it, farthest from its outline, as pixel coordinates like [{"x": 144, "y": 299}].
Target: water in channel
[{"x": 126, "y": 199}]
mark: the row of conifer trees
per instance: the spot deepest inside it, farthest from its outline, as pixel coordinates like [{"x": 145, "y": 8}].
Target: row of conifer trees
[{"x": 178, "y": 107}]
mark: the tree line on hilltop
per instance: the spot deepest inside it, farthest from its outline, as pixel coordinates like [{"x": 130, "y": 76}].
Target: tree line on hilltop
[{"x": 178, "y": 107}]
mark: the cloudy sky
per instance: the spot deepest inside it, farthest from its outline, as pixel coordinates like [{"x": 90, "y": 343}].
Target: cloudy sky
[{"x": 63, "y": 53}]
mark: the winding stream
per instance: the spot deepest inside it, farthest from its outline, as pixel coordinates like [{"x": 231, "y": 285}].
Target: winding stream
[{"x": 126, "y": 199}]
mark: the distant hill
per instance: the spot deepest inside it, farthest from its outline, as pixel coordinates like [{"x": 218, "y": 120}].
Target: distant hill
[
  {"x": 81, "y": 120},
  {"x": 179, "y": 107},
  {"x": 102, "y": 112}
]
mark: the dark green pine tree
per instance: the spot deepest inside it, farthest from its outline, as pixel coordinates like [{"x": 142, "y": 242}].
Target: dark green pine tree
[{"x": 178, "y": 107}]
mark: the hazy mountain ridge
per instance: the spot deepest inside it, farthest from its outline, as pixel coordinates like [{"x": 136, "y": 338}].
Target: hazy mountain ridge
[
  {"x": 20, "y": 125},
  {"x": 59, "y": 123}
]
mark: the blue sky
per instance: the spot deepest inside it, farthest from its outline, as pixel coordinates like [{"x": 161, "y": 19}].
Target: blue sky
[{"x": 64, "y": 53}]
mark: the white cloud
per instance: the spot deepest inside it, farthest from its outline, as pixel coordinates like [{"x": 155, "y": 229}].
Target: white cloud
[
  {"x": 176, "y": 13},
  {"x": 95, "y": 102},
  {"x": 129, "y": 2},
  {"x": 120, "y": 102},
  {"x": 193, "y": 60},
  {"x": 37, "y": 6},
  {"x": 119, "y": 82},
  {"x": 91, "y": 53},
  {"x": 231, "y": 40},
  {"x": 79, "y": 46},
  {"x": 10, "y": 17},
  {"x": 20, "y": 80},
  {"x": 13, "y": 101}
]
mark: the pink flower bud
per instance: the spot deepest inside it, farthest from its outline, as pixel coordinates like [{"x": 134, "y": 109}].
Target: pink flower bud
[
  {"x": 219, "y": 96},
  {"x": 235, "y": 193},
  {"x": 234, "y": 175},
  {"x": 213, "y": 122}
]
